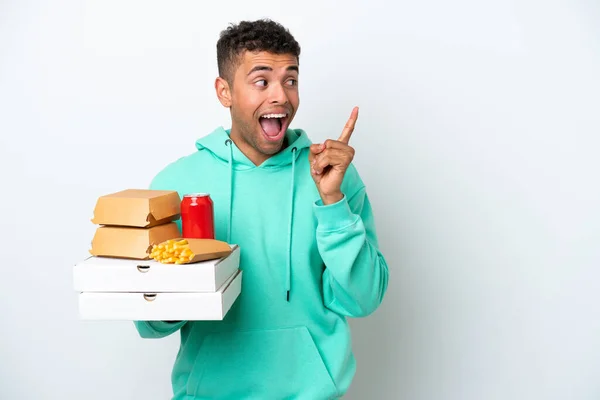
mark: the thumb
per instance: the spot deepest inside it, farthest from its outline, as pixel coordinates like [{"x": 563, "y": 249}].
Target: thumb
[{"x": 316, "y": 148}]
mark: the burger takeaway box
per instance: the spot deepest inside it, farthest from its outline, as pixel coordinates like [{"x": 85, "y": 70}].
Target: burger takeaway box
[
  {"x": 133, "y": 220},
  {"x": 137, "y": 208},
  {"x": 134, "y": 243}
]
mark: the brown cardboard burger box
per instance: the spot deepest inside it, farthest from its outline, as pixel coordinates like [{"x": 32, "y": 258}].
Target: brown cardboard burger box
[
  {"x": 133, "y": 220},
  {"x": 126, "y": 242},
  {"x": 137, "y": 208}
]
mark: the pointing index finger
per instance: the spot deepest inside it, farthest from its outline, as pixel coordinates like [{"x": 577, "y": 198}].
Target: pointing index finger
[{"x": 349, "y": 127}]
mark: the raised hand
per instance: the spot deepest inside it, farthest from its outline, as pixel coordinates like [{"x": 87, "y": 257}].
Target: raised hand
[{"x": 330, "y": 160}]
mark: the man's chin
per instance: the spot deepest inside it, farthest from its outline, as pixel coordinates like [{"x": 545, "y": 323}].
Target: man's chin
[{"x": 271, "y": 148}]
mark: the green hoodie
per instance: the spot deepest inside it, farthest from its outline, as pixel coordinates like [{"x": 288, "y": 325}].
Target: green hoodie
[{"x": 306, "y": 267}]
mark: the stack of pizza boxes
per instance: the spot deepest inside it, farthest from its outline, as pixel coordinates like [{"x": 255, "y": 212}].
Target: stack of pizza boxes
[{"x": 131, "y": 274}]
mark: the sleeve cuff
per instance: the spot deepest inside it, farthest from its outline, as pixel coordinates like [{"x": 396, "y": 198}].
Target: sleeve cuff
[
  {"x": 334, "y": 216},
  {"x": 163, "y": 326}
]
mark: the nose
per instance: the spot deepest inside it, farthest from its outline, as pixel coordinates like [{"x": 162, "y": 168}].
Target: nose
[{"x": 277, "y": 94}]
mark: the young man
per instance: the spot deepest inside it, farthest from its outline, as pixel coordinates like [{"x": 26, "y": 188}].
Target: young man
[{"x": 303, "y": 221}]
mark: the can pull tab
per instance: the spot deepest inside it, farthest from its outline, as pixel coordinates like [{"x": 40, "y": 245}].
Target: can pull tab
[
  {"x": 143, "y": 268},
  {"x": 149, "y": 296}
]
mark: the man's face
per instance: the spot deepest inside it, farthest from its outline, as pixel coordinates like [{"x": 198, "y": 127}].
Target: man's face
[{"x": 263, "y": 100}]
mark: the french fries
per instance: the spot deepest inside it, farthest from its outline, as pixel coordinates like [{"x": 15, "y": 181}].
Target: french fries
[
  {"x": 173, "y": 251},
  {"x": 186, "y": 251}
]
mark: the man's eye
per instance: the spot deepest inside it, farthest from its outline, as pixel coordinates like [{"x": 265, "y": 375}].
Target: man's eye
[
  {"x": 262, "y": 82},
  {"x": 292, "y": 82}
]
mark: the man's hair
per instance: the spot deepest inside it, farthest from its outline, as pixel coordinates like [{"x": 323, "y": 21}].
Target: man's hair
[{"x": 254, "y": 36}]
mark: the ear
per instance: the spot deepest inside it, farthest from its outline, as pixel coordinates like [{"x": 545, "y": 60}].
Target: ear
[{"x": 223, "y": 91}]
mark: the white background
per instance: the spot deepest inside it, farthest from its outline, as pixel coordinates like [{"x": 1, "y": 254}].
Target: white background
[{"x": 478, "y": 138}]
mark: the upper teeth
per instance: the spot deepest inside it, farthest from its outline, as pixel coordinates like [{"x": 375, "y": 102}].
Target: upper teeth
[{"x": 274, "y": 115}]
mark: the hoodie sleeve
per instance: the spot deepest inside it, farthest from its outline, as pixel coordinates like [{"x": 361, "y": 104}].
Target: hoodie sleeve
[
  {"x": 356, "y": 273},
  {"x": 157, "y": 329}
]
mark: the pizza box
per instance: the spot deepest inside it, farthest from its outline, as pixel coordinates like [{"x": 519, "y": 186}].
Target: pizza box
[
  {"x": 106, "y": 274},
  {"x": 152, "y": 306}
]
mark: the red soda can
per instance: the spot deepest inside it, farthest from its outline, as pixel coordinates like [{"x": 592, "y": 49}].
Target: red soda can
[{"x": 197, "y": 216}]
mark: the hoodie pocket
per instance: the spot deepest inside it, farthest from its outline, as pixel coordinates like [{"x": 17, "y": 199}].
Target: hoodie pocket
[{"x": 266, "y": 364}]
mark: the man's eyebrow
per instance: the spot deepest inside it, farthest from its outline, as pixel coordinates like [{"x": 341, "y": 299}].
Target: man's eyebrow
[
  {"x": 260, "y": 68},
  {"x": 266, "y": 68}
]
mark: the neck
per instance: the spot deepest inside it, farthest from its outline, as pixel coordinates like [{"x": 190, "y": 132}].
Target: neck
[{"x": 255, "y": 156}]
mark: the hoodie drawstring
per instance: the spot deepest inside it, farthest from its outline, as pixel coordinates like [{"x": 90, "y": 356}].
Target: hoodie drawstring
[
  {"x": 288, "y": 271},
  {"x": 229, "y": 216},
  {"x": 288, "y": 278}
]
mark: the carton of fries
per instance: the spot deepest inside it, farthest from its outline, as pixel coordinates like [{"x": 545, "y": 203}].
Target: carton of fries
[{"x": 188, "y": 251}]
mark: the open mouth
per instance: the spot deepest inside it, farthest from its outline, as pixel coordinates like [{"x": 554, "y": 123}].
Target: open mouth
[{"x": 274, "y": 126}]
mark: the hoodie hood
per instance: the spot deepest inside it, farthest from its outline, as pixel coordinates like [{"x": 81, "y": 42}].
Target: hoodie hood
[
  {"x": 218, "y": 142},
  {"x": 222, "y": 147}
]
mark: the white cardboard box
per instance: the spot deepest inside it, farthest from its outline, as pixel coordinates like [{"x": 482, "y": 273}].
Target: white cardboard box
[
  {"x": 102, "y": 274},
  {"x": 161, "y": 306}
]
